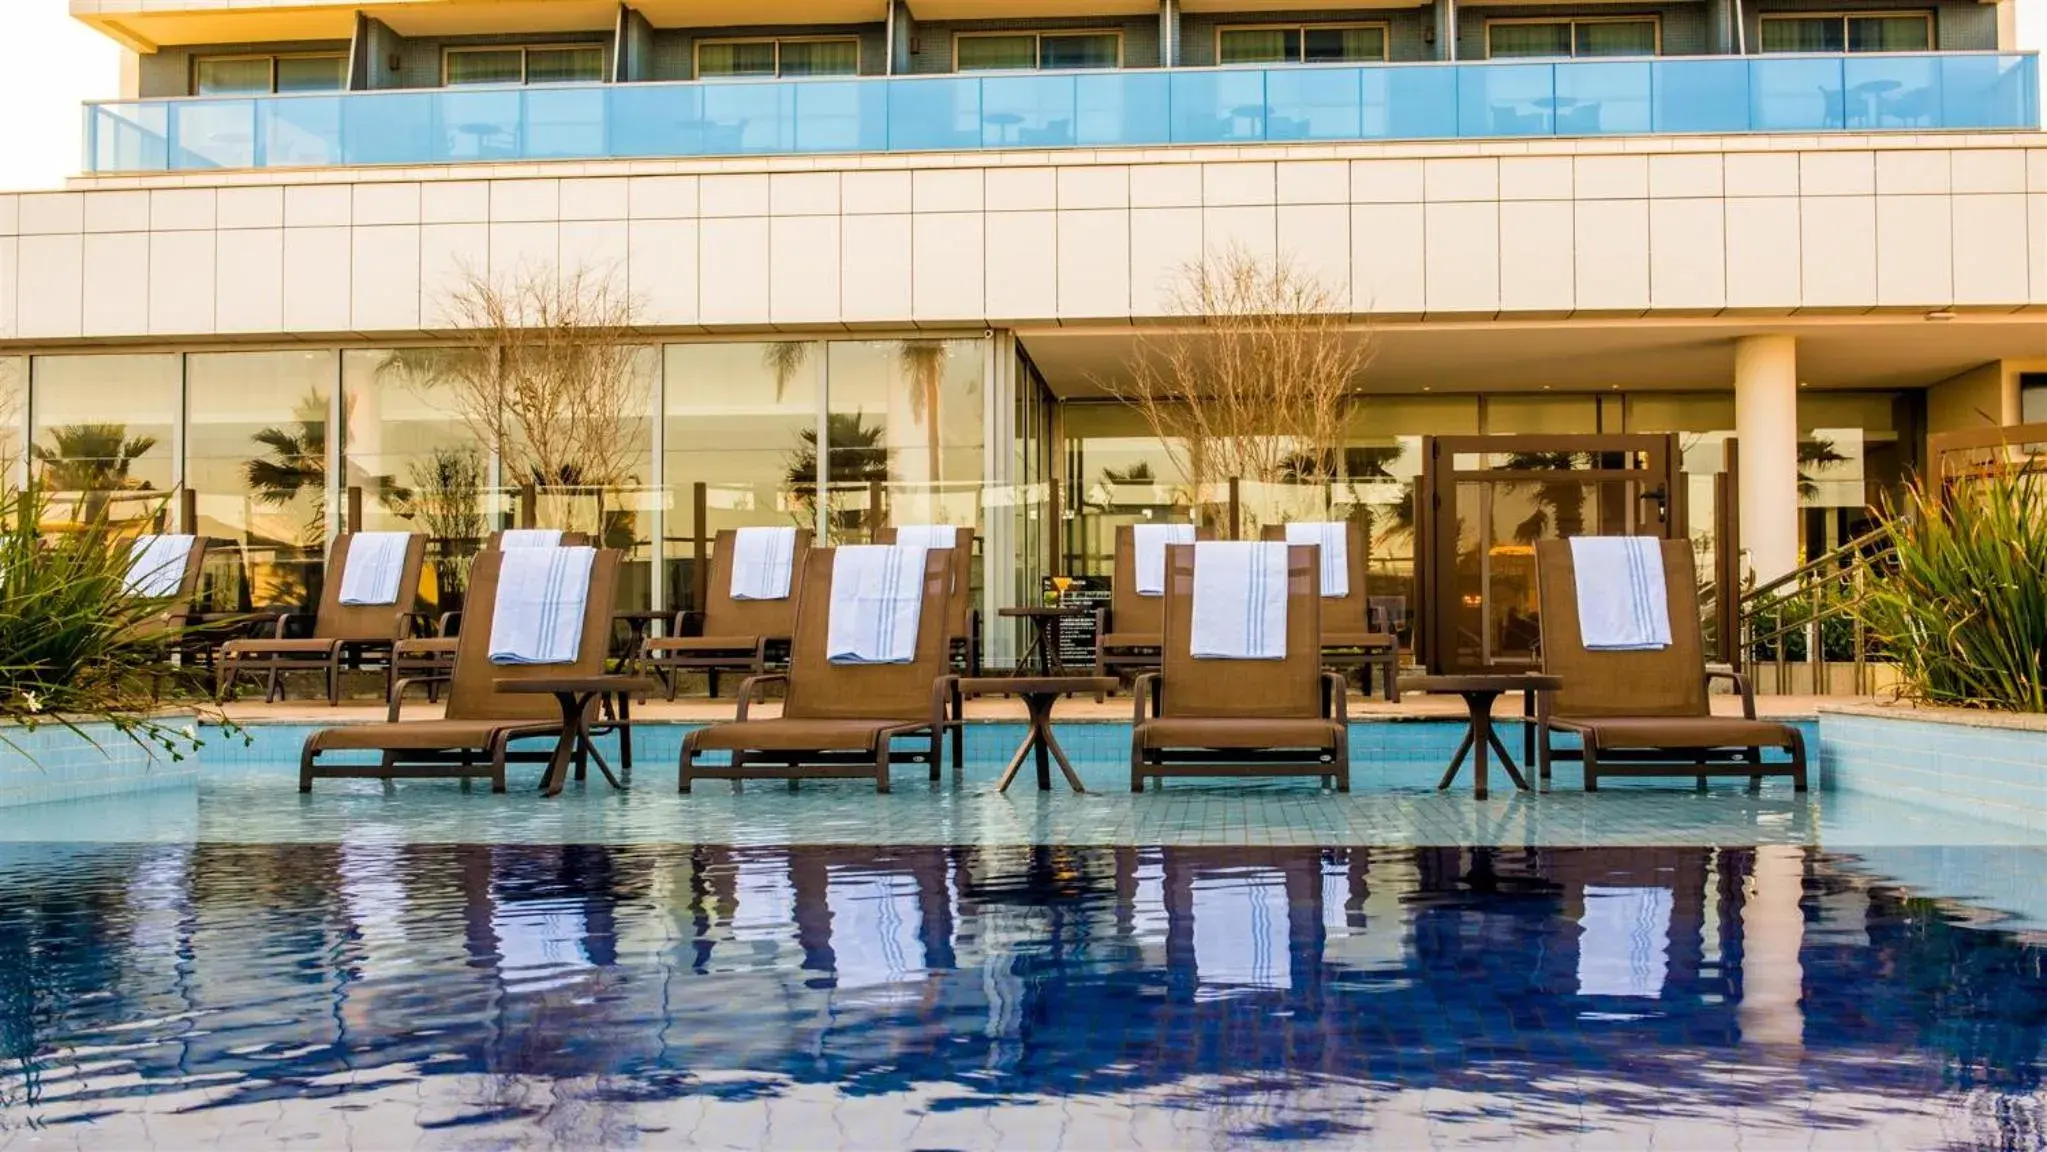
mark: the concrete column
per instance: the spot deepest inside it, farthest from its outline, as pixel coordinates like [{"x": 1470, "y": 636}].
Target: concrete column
[
  {"x": 1766, "y": 426},
  {"x": 1446, "y": 29},
  {"x": 902, "y": 28},
  {"x": 1772, "y": 932},
  {"x": 1169, "y": 33}
]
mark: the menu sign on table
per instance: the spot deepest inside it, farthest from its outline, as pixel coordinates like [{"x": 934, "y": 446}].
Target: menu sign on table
[{"x": 1076, "y": 633}]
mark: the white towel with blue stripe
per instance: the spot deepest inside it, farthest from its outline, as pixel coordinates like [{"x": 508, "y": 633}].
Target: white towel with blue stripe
[
  {"x": 928, "y": 536},
  {"x": 542, "y": 595},
  {"x": 762, "y": 563},
  {"x": 1334, "y": 539},
  {"x": 376, "y": 563},
  {"x": 877, "y": 602},
  {"x": 1623, "y": 603},
  {"x": 1149, "y": 541},
  {"x": 156, "y": 565},
  {"x": 530, "y": 538},
  {"x": 1239, "y": 601}
]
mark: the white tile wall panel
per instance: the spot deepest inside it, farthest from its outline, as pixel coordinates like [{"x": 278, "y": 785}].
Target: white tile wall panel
[
  {"x": 448, "y": 255},
  {"x": 743, "y": 194},
  {"x": 10, "y": 215},
  {"x": 1103, "y": 187},
  {"x": 1685, "y": 175},
  {"x": 10, "y": 252},
  {"x": 51, "y": 283},
  {"x": 116, "y": 286},
  {"x": 1760, "y": 173},
  {"x": 317, "y": 279},
  {"x": 384, "y": 279},
  {"x": 1462, "y": 242},
  {"x": 948, "y": 270},
  {"x": 1251, "y": 230},
  {"x": 1837, "y": 251},
  {"x": 1023, "y": 263},
  {"x": 1989, "y": 267},
  {"x": 1912, "y": 171},
  {"x": 1224, "y": 185},
  {"x": 1464, "y": 178},
  {"x": 1610, "y": 177},
  {"x": 232, "y": 207},
  {"x": 732, "y": 270},
  {"x": 516, "y": 201},
  {"x": 1163, "y": 242},
  {"x": 1095, "y": 262},
  {"x": 381, "y": 204},
  {"x": 1315, "y": 240},
  {"x": 181, "y": 282},
  {"x": 51, "y": 214},
  {"x": 874, "y": 267},
  {"x": 1687, "y": 253},
  {"x": 250, "y": 297},
  {"x": 1612, "y": 255},
  {"x": 117, "y": 211},
  {"x": 803, "y": 194},
  {"x": 863, "y": 193},
  {"x": 803, "y": 269},
  {"x": 1388, "y": 259},
  {"x": 1988, "y": 170},
  {"x": 1313, "y": 182},
  {"x": 1535, "y": 178},
  {"x": 1762, "y": 252},
  {"x": 2036, "y": 249},
  {"x": 598, "y": 247},
  {"x": 455, "y": 202},
  {"x": 1915, "y": 251},
  {"x": 523, "y": 249},
  {"x": 1535, "y": 256},
  {"x": 946, "y": 190},
  {"x": 605, "y": 198},
  {"x": 661, "y": 197},
  {"x": 1837, "y": 173},
  {"x": 1386, "y": 181},
  {"x": 1163, "y": 186},
  {"x": 1022, "y": 189},
  {"x": 318, "y": 206},
  {"x": 663, "y": 273},
  {"x": 2036, "y": 170}
]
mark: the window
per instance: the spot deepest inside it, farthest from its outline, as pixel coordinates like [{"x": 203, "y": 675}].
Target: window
[
  {"x": 1850, "y": 32},
  {"x": 554, "y": 64},
  {"x": 261, "y": 75},
  {"x": 1023, "y": 51},
  {"x": 1523, "y": 39},
  {"x": 1304, "y": 44},
  {"x": 806, "y": 57}
]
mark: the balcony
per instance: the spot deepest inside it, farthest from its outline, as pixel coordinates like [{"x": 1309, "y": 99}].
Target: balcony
[{"x": 1518, "y": 100}]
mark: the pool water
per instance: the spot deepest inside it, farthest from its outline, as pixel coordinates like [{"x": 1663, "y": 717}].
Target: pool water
[{"x": 378, "y": 991}]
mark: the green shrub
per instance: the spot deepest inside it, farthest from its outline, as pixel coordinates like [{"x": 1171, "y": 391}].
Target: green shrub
[
  {"x": 75, "y": 646},
  {"x": 1964, "y": 613}
]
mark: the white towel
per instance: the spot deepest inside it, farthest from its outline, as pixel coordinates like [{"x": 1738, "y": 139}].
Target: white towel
[
  {"x": 156, "y": 565},
  {"x": 762, "y": 563},
  {"x": 1150, "y": 541},
  {"x": 530, "y": 538},
  {"x": 1334, "y": 537},
  {"x": 1623, "y": 603},
  {"x": 877, "y": 600},
  {"x": 928, "y": 536},
  {"x": 538, "y": 617},
  {"x": 376, "y": 563},
  {"x": 1239, "y": 601}
]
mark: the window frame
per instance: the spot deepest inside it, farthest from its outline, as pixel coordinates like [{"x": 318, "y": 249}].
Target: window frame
[
  {"x": 696, "y": 59},
  {"x": 1843, "y": 16},
  {"x": 1037, "y": 36},
  {"x": 270, "y": 58},
  {"x": 525, "y": 68},
  {"x": 1654, "y": 19},
  {"x": 1385, "y": 40}
]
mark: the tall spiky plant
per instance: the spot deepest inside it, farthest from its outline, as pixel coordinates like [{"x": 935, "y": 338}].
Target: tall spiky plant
[{"x": 1964, "y": 614}]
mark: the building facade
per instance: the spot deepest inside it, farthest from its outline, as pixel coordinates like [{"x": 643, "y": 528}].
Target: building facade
[{"x": 889, "y": 259}]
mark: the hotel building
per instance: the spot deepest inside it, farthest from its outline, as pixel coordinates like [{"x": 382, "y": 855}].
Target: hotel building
[{"x": 930, "y": 233}]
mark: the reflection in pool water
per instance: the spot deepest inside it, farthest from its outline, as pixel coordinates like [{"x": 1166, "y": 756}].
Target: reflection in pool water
[{"x": 981, "y": 996}]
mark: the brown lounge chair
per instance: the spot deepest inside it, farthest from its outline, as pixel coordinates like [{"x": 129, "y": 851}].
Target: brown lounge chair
[
  {"x": 474, "y": 734},
  {"x": 727, "y": 635},
  {"x": 839, "y": 720},
  {"x": 430, "y": 656},
  {"x": 1347, "y": 637},
  {"x": 1241, "y": 717},
  {"x": 180, "y": 606},
  {"x": 1129, "y": 632},
  {"x": 963, "y": 621},
  {"x": 340, "y": 631},
  {"x": 1646, "y": 713}
]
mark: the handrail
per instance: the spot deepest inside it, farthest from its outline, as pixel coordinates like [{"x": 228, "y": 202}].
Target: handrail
[{"x": 1833, "y": 560}]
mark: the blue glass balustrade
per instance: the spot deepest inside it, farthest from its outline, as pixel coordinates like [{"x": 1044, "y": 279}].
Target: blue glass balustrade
[{"x": 1734, "y": 94}]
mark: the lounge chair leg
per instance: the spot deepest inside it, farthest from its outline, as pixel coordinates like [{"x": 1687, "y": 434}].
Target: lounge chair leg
[
  {"x": 685, "y": 763},
  {"x": 880, "y": 766},
  {"x": 499, "y": 749},
  {"x": 1797, "y": 760},
  {"x": 306, "y": 758},
  {"x": 334, "y": 682},
  {"x": 1591, "y": 761},
  {"x": 272, "y": 687},
  {"x": 1754, "y": 756},
  {"x": 711, "y": 677},
  {"x": 1342, "y": 761},
  {"x": 1136, "y": 768}
]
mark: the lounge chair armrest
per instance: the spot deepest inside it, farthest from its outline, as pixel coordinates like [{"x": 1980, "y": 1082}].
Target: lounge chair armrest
[
  {"x": 398, "y": 692},
  {"x": 1144, "y": 689},
  {"x": 1338, "y": 692},
  {"x": 410, "y": 625},
  {"x": 1741, "y": 686},
  {"x": 278, "y": 625},
  {"x": 450, "y": 624},
  {"x": 751, "y": 685},
  {"x": 947, "y": 705}
]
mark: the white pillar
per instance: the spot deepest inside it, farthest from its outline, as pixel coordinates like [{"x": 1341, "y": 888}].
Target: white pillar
[
  {"x": 1766, "y": 425},
  {"x": 1772, "y": 932}
]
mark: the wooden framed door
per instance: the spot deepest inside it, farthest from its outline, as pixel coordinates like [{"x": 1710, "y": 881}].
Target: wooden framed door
[{"x": 1486, "y": 500}]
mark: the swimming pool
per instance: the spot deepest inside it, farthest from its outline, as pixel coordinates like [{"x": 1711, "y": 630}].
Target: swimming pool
[{"x": 424, "y": 966}]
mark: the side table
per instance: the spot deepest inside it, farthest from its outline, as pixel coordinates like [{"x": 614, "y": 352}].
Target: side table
[
  {"x": 1039, "y": 694},
  {"x": 1479, "y": 692}
]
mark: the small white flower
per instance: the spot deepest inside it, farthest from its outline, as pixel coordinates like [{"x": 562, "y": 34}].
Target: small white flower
[
  {"x": 191, "y": 732},
  {"x": 31, "y": 701}
]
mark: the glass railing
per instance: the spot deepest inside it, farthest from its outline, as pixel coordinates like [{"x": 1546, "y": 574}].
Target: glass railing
[{"x": 1727, "y": 94}]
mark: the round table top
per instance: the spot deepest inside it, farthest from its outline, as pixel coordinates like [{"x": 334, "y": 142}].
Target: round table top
[
  {"x": 556, "y": 685},
  {"x": 1482, "y": 682},
  {"x": 1025, "y": 611},
  {"x": 1037, "y": 685}
]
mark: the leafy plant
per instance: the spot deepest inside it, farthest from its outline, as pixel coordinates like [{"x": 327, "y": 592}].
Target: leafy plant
[
  {"x": 76, "y": 646},
  {"x": 1964, "y": 613}
]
